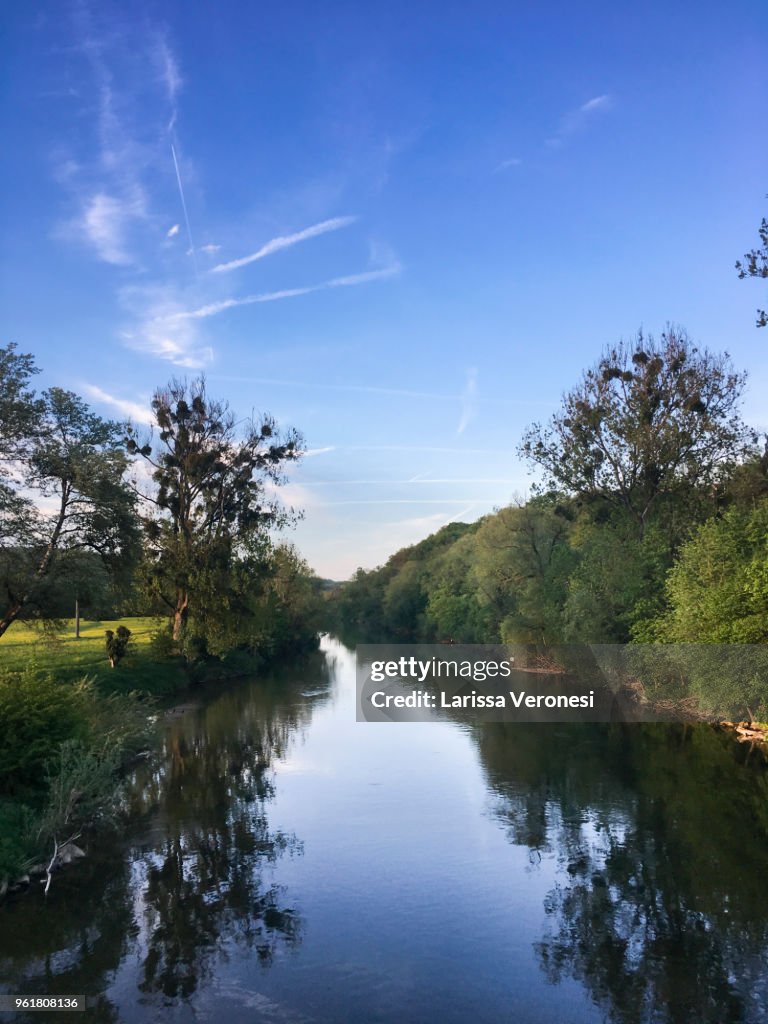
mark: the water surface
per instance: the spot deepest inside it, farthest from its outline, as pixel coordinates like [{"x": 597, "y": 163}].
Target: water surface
[{"x": 284, "y": 863}]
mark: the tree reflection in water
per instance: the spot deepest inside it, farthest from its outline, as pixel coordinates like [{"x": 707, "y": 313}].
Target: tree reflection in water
[
  {"x": 200, "y": 852},
  {"x": 661, "y": 834}
]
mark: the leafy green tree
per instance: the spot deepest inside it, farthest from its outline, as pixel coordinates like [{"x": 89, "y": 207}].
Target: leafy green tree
[
  {"x": 523, "y": 559},
  {"x": 291, "y": 601},
  {"x": 21, "y": 415},
  {"x": 650, "y": 422},
  {"x": 453, "y": 610},
  {"x": 405, "y": 602},
  {"x": 355, "y": 609},
  {"x": 756, "y": 265},
  {"x": 617, "y": 581},
  {"x": 748, "y": 482},
  {"x": 718, "y": 590},
  {"x": 20, "y": 409},
  {"x": 715, "y": 627},
  {"x": 62, "y": 488},
  {"x": 211, "y": 507}
]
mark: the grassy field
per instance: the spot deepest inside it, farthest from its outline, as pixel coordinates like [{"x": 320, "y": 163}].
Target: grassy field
[{"x": 68, "y": 658}]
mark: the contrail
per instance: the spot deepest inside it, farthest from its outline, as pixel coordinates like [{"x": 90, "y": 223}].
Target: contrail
[{"x": 184, "y": 207}]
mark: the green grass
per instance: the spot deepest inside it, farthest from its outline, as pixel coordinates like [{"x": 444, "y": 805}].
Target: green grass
[{"x": 68, "y": 658}]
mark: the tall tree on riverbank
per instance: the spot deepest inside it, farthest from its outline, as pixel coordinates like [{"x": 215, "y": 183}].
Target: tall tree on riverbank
[
  {"x": 61, "y": 485},
  {"x": 649, "y": 421},
  {"x": 213, "y": 499}
]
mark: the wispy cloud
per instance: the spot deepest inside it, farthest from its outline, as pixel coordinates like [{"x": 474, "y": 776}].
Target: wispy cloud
[
  {"x": 285, "y": 242},
  {"x": 105, "y": 224},
  {"x": 133, "y": 410},
  {"x": 129, "y": 93},
  {"x": 513, "y": 161},
  {"x": 364, "y": 278},
  {"x": 576, "y": 120},
  {"x": 170, "y": 76},
  {"x": 310, "y": 452},
  {"x": 209, "y": 248},
  {"x": 213, "y": 308},
  {"x": 468, "y": 402},
  {"x": 155, "y": 331},
  {"x": 172, "y": 231},
  {"x": 596, "y": 103}
]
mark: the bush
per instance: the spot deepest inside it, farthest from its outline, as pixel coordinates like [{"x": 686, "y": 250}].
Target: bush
[
  {"x": 37, "y": 715},
  {"x": 162, "y": 644},
  {"x": 120, "y": 720},
  {"x": 117, "y": 644},
  {"x": 16, "y": 838},
  {"x": 82, "y": 787}
]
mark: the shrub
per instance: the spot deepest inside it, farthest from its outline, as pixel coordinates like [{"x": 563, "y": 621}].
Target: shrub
[
  {"x": 117, "y": 644},
  {"x": 162, "y": 644},
  {"x": 16, "y": 838},
  {"x": 37, "y": 714},
  {"x": 82, "y": 787}
]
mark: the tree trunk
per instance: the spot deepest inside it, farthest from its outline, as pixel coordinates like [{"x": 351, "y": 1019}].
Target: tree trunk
[
  {"x": 10, "y": 616},
  {"x": 180, "y": 615},
  {"x": 77, "y": 619}
]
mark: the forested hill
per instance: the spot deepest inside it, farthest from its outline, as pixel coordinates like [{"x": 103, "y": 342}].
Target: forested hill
[{"x": 650, "y": 523}]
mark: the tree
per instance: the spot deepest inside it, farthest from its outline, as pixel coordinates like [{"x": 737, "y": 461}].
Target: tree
[
  {"x": 210, "y": 508},
  {"x": 62, "y": 487},
  {"x": 617, "y": 581},
  {"x": 453, "y": 610},
  {"x": 20, "y": 422},
  {"x": 404, "y": 602},
  {"x": 291, "y": 601},
  {"x": 522, "y": 563},
  {"x": 718, "y": 589},
  {"x": 20, "y": 409},
  {"x": 649, "y": 421},
  {"x": 756, "y": 265}
]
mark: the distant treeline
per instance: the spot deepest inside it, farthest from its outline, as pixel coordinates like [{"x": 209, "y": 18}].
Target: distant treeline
[{"x": 649, "y": 522}]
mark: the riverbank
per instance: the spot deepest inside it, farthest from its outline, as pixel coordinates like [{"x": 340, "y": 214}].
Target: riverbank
[
  {"x": 147, "y": 667},
  {"x": 70, "y": 727},
  {"x": 281, "y": 860}
]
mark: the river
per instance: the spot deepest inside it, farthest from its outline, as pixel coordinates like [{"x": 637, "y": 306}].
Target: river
[{"x": 284, "y": 863}]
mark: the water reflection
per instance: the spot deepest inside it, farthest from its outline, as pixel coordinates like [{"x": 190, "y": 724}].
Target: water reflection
[
  {"x": 661, "y": 911},
  {"x": 619, "y": 875},
  {"x": 196, "y": 877}
]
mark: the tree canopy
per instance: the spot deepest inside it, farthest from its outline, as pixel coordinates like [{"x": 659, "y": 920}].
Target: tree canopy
[
  {"x": 650, "y": 419},
  {"x": 62, "y": 485},
  {"x": 213, "y": 498}
]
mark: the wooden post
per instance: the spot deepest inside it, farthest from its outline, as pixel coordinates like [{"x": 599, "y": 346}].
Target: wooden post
[{"x": 77, "y": 619}]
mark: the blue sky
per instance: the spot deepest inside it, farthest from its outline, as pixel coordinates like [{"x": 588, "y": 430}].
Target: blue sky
[{"x": 404, "y": 229}]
